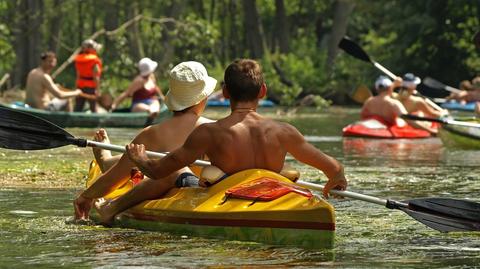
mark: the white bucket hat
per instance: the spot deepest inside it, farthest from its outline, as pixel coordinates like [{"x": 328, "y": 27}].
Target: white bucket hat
[
  {"x": 146, "y": 66},
  {"x": 90, "y": 43},
  {"x": 189, "y": 85},
  {"x": 410, "y": 80}
]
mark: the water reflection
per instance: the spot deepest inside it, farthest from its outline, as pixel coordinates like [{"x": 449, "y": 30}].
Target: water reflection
[{"x": 391, "y": 151}]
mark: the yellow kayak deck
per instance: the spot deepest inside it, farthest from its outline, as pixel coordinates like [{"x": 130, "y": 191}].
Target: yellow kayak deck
[{"x": 292, "y": 219}]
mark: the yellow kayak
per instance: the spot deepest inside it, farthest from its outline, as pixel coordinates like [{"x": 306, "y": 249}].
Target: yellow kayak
[{"x": 252, "y": 205}]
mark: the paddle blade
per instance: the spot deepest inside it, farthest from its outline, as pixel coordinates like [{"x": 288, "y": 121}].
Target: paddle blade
[
  {"x": 23, "y": 131},
  {"x": 361, "y": 94},
  {"x": 444, "y": 214},
  {"x": 452, "y": 207},
  {"x": 443, "y": 223},
  {"x": 432, "y": 83},
  {"x": 353, "y": 49}
]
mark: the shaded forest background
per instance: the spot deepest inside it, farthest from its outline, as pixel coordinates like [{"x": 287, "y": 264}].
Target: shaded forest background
[{"x": 295, "y": 40}]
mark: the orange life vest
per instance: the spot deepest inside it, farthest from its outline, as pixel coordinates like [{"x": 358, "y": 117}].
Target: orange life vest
[{"x": 84, "y": 64}]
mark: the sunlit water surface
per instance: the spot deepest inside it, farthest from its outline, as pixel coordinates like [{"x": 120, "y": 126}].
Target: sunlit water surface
[{"x": 33, "y": 229}]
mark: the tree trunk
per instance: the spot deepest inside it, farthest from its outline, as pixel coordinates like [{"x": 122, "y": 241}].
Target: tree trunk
[
  {"x": 27, "y": 39},
  {"x": 254, "y": 38},
  {"x": 110, "y": 23},
  {"x": 343, "y": 8},
  {"x": 234, "y": 39},
  {"x": 136, "y": 44},
  {"x": 212, "y": 10},
  {"x": 174, "y": 11},
  {"x": 281, "y": 37},
  {"x": 55, "y": 23},
  {"x": 81, "y": 22}
]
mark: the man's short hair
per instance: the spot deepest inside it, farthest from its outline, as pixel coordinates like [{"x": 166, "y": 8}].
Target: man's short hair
[
  {"x": 47, "y": 54},
  {"x": 243, "y": 80}
]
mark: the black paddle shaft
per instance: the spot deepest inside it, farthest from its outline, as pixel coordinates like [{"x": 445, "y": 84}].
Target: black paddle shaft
[{"x": 23, "y": 131}]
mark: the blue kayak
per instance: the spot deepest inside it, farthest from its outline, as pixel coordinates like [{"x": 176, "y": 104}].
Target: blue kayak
[
  {"x": 226, "y": 103},
  {"x": 458, "y": 106}
]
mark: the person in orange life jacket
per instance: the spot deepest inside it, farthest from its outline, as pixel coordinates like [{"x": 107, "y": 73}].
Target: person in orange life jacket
[
  {"x": 89, "y": 69},
  {"x": 143, "y": 90}
]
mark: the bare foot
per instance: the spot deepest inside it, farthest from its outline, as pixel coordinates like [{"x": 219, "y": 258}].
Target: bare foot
[
  {"x": 105, "y": 211},
  {"x": 102, "y": 155},
  {"x": 82, "y": 207}
]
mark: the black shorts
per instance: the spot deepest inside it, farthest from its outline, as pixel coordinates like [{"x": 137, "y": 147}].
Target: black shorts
[{"x": 186, "y": 180}]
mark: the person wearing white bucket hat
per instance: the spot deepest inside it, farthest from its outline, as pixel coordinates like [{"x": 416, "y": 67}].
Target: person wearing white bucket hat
[
  {"x": 418, "y": 105},
  {"x": 144, "y": 91},
  {"x": 190, "y": 86}
]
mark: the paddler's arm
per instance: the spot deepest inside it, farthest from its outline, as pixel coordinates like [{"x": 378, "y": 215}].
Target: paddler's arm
[
  {"x": 56, "y": 91},
  {"x": 194, "y": 148},
  {"x": 306, "y": 153}
]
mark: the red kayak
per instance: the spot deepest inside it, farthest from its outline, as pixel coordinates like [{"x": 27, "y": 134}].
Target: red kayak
[{"x": 376, "y": 127}]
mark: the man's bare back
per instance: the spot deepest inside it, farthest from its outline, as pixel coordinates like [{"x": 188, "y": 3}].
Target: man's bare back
[
  {"x": 244, "y": 140},
  {"x": 383, "y": 106}
]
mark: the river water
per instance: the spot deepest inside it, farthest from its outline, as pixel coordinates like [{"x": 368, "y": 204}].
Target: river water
[{"x": 37, "y": 189}]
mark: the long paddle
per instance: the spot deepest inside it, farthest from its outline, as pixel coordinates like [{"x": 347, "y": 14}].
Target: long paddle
[
  {"x": 23, "y": 131},
  {"x": 441, "y": 120},
  {"x": 356, "y": 51},
  {"x": 432, "y": 83}
]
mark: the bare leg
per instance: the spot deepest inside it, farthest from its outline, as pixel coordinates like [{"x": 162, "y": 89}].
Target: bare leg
[
  {"x": 69, "y": 107},
  {"x": 148, "y": 189},
  {"x": 103, "y": 157}
]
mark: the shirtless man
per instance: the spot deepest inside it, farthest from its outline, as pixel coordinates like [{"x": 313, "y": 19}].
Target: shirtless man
[
  {"x": 243, "y": 140},
  {"x": 40, "y": 87},
  {"x": 418, "y": 105},
  {"x": 190, "y": 86},
  {"x": 471, "y": 93},
  {"x": 383, "y": 105}
]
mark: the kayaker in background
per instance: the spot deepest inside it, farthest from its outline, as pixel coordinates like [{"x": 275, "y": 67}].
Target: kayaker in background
[
  {"x": 190, "y": 86},
  {"x": 89, "y": 69},
  {"x": 40, "y": 87},
  {"x": 383, "y": 106},
  {"x": 243, "y": 140},
  {"x": 144, "y": 91},
  {"x": 418, "y": 105},
  {"x": 470, "y": 92}
]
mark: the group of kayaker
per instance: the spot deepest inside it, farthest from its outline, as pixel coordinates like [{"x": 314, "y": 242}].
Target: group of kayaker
[
  {"x": 242, "y": 140},
  {"x": 43, "y": 93},
  {"x": 387, "y": 106}
]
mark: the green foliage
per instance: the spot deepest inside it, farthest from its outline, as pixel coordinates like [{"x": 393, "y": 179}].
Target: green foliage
[{"x": 430, "y": 37}]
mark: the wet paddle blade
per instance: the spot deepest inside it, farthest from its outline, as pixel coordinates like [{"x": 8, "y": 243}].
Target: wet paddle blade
[
  {"x": 23, "y": 131},
  {"x": 353, "y": 49},
  {"x": 457, "y": 208},
  {"x": 443, "y": 223}
]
